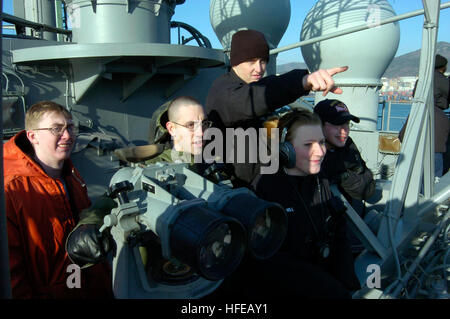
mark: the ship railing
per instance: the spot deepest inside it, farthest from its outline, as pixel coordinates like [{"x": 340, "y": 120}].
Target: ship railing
[
  {"x": 352, "y": 30},
  {"x": 386, "y": 118},
  {"x": 20, "y": 26},
  {"x": 10, "y": 100},
  {"x": 202, "y": 41}
]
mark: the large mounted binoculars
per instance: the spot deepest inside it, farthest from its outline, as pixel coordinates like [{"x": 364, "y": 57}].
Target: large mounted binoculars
[{"x": 199, "y": 231}]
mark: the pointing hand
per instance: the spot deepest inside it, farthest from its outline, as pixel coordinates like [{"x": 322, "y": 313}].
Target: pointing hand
[{"x": 322, "y": 80}]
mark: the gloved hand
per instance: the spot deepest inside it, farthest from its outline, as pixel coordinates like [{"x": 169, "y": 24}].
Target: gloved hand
[{"x": 87, "y": 245}]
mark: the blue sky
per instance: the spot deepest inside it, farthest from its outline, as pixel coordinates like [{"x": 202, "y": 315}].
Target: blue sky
[{"x": 196, "y": 13}]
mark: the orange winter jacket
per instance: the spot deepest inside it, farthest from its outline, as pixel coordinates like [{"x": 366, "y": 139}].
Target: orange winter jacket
[{"x": 40, "y": 215}]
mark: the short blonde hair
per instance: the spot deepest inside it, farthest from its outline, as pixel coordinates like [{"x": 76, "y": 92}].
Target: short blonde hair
[
  {"x": 174, "y": 106},
  {"x": 37, "y": 110}
]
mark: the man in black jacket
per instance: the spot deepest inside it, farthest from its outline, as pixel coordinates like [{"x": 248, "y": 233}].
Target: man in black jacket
[
  {"x": 241, "y": 97},
  {"x": 343, "y": 163},
  {"x": 441, "y": 93},
  {"x": 441, "y": 89},
  {"x": 441, "y": 83}
]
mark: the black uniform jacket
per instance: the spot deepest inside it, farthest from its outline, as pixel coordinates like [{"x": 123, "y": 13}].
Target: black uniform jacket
[
  {"x": 315, "y": 218},
  {"x": 345, "y": 167},
  {"x": 232, "y": 103},
  {"x": 441, "y": 90}
]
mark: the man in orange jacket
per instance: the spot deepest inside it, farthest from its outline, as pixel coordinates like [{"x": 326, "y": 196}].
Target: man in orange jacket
[{"x": 44, "y": 194}]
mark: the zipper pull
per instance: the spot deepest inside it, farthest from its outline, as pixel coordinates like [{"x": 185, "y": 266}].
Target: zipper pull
[
  {"x": 318, "y": 186},
  {"x": 76, "y": 177}
]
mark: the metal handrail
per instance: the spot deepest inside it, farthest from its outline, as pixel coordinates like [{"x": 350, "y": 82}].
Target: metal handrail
[
  {"x": 352, "y": 30},
  {"x": 389, "y": 116},
  {"x": 34, "y": 25},
  {"x": 5, "y": 279},
  {"x": 202, "y": 41}
]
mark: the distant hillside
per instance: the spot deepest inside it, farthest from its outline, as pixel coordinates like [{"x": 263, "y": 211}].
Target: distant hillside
[
  {"x": 404, "y": 65},
  {"x": 408, "y": 64}
]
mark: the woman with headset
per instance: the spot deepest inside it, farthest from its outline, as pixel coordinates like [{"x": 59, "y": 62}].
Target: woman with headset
[{"x": 315, "y": 260}]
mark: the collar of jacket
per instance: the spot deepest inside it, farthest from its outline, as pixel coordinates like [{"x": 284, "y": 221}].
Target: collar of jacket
[
  {"x": 236, "y": 77},
  {"x": 168, "y": 156}
]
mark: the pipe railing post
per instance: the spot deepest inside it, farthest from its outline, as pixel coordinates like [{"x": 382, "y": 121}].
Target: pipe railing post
[{"x": 5, "y": 282}]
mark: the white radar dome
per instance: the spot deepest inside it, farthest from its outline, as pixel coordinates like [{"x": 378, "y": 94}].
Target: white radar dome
[{"x": 367, "y": 53}]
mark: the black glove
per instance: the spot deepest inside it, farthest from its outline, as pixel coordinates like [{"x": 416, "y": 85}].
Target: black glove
[{"x": 87, "y": 245}]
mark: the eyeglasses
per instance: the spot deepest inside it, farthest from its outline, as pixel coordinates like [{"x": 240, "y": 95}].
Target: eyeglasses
[
  {"x": 192, "y": 126},
  {"x": 58, "y": 130}
]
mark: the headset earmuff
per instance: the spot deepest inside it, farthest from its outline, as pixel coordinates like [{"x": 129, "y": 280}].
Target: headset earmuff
[{"x": 287, "y": 151}]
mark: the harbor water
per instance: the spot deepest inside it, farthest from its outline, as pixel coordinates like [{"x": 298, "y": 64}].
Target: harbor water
[{"x": 393, "y": 117}]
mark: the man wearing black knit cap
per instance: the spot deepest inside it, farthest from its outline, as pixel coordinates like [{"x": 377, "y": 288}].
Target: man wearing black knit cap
[{"x": 241, "y": 97}]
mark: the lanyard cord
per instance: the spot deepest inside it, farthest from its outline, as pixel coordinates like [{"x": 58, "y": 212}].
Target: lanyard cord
[{"x": 319, "y": 237}]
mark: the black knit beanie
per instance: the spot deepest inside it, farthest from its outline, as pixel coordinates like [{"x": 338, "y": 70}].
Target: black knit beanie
[
  {"x": 247, "y": 45},
  {"x": 440, "y": 61}
]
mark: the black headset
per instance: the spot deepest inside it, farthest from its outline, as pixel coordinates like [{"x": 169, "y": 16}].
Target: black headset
[{"x": 287, "y": 151}]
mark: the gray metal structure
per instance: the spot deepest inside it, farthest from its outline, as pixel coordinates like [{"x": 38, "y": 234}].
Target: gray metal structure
[
  {"x": 112, "y": 77},
  {"x": 162, "y": 198}
]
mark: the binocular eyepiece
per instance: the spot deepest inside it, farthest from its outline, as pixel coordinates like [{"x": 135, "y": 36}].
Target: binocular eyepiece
[
  {"x": 265, "y": 223},
  {"x": 209, "y": 242},
  {"x": 205, "y": 226}
]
